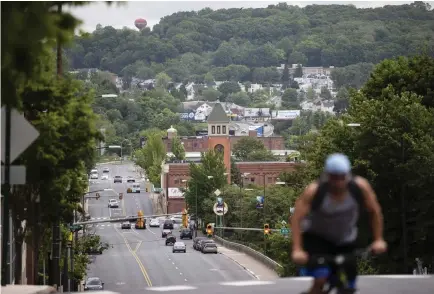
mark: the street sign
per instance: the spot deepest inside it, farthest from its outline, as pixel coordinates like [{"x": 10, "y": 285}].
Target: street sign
[
  {"x": 23, "y": 134},
  {"x": 220, "y": 209},
  {"x": 283, "y": 223},
  {"x": 17, "y": 175},
  {"x": 284, "y": 231},
  {"x": 217, "y": 192}
]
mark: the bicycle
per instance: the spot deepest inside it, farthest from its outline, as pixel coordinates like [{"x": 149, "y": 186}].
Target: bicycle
[{"x": 338, "y": 278}]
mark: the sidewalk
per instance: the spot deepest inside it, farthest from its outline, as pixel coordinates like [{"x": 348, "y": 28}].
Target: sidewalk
[{"x": 257, "y": 269}]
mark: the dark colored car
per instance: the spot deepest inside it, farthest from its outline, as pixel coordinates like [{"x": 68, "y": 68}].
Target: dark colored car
[
  {"x": 126, "y": 225},
  {"x": 196, "y": 242},
  {"x": 131, "y": 180},
  {"x": 93, "y": 284},
  {"x": 117, "y": 179},
  {"x": 168, "y": 224},
  {"x": 186, "y": 233},
  {"x": 170, "y": 240}
]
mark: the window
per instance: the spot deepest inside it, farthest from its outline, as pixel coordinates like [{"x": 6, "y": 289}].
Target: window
[
  {"x": 176, "y": 181},
  {"x": 213, "y": 129},
  {"x": 224, "y": 130},
  {"x": 270, "y": 180},
  {"x": 218, "y": 129},
  {"x": 252, "y": 180}
]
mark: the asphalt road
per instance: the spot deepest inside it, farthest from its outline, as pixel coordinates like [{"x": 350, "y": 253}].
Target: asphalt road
[
  {"x": 366, "y": 285},
  {"x": 139, "y": 259}
]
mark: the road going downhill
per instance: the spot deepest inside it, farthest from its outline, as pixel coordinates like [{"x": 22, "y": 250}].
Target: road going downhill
[{"x": 139, "y": 259}]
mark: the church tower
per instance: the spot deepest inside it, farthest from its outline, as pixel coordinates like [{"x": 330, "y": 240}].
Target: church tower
[{"x": 218, "y": 135}]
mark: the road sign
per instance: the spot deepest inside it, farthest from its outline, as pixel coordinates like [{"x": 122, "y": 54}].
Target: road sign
[
  {"x": 283, "y": 223},
  {"x": 220, "y": 209},
  {"x": 17, "y": 175},
  {"x": 284, "y": 231},
  {"x": 217, "y": 192},
  {"x": 23, "y": 134}
]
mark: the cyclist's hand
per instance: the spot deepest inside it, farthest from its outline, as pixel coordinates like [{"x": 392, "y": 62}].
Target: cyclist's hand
[
  {"x": 299, "y": 256},
  {"x": 379, "y": 246}
]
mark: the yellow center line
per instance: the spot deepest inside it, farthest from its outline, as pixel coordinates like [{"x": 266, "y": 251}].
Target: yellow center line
[{"x": 133, "y": 253}]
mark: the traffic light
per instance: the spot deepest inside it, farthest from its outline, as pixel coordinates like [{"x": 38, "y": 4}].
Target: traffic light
[
  {"x": 209, "y": 230},
  {"x": 97, "y": 196},
  {"x": 121, "y": 195},
  {"x": 266, "y": 229}
]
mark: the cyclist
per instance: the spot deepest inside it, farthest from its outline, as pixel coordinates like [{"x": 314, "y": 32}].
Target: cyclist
[{"x": 325, "y": 219}]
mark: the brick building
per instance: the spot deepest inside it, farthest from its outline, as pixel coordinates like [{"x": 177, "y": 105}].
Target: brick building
[{"x": 174, "y": 175}]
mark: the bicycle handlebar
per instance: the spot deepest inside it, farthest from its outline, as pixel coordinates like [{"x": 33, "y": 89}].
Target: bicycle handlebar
[{"x": 340, "y": 259}]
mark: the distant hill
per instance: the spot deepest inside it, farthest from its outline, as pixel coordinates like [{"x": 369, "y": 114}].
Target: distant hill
[{"x": 237, "y": 44}]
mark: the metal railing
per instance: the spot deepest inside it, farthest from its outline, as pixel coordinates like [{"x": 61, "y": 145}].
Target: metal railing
[{"x": 265, "y": 260}]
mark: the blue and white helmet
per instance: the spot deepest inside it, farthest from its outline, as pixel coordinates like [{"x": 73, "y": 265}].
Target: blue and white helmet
[{"x": 337, "y": 164}]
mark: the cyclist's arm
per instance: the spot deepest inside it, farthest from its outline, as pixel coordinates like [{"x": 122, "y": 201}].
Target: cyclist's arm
[
  {"x": 373, "y": 207},
  {"x": 302, "y": 208}
]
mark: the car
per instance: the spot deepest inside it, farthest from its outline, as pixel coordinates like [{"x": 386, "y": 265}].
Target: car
[
  {"x": 209, "y": 247},
  {"x": 94, "y": 176},
  {"x": 131, "y": 180},
  {"x": 176, "y": 219},
  {"x": 170, "y": 240},
  {"x": 106, "y": 170},
  {"x": 113, "y": 203},
  {"x": 186, "y": 233},
  {"x": 168, "y": 224},
  {"x": 93, "y": 284},
  {"x": 202, "y": 243},
  {"x": 104, "y": 177},
  {"x": 196, "y": 242},
  {"x": 164, "y": 233},
  {"x": 117, "y": 179},
  {"x": 126, "y": 225},
  {"x": 179, "y": 247},
  {"x": 154, "y": 223}
]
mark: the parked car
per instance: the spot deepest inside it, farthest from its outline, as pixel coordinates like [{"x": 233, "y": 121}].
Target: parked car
[
  {"x": 203, "y": 242},
  {"x": 196, "y": 242},
  {"x": 170, "y": 240},
  {"x": 209, "y": 247},
  {"x": 186, "y": 233}
]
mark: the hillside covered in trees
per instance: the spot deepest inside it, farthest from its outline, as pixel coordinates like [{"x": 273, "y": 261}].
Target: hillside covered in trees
[{"x": 241, "y": 44}]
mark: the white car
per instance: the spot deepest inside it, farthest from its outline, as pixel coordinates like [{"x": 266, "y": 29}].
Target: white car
[
  {"x": 176, "y": 219},
  {"x": 155, "y": 222},
  {"x": 113, "y": 203},
  {"x": 94, "y": 176},
  {"x": 179, "y": 247},
  {"x": 104, "y": 177},
  {"x": 135, "y": 188}
]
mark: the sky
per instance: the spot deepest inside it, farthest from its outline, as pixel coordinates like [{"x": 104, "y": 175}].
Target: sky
[{"x": 119, "y": 15}]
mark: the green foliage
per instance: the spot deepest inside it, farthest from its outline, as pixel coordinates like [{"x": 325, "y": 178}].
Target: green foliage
[
  {"x": 251, "y": 149},
  {"x": 242, "y": 45},
  {"x": 201, "y": 187},
  {"x": 178, "y": 149},
  {"x": 152, "y": 156}
]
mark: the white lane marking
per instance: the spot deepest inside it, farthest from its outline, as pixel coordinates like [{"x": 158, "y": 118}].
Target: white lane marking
[
  {"x": 247, "y": 283},
  {"x": 185, "y": 280},
  {"x": 176, "y": 267},
  {"x": 180, "y": 274},
  {"x": 151, "y": 231},
  {"x": 171, "y": 288}
]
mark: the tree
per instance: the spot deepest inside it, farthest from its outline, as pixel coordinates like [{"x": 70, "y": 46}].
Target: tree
[
  {"x": 211, "y": 94},
  {"x": 342, "y": 101},
  {"x": 240, "y": 98},
  {"x": 162, "y": 80},
  {"x": 178, "y": 149},
  {"x": 298, "y": 73},
  {"x": 290, "y": 99},
  {"x": 325, "y": 93},
  {"x": 285, "y": 77},
  {"x": 201, "y": 187},
  {"x": 249, "y": 148},
  {"x": 228, "y": 88},
  {"x": 151, "y": 157},
  {"x": 311, "y": 95}
]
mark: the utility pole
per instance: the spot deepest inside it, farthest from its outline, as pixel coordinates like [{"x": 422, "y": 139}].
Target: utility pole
[
  {"x": 403, "y": 215},
  {"x": 56, "y": 251}
]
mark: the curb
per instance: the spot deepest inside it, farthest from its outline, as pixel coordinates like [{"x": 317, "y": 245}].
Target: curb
[{"x": 245, "y": 268}]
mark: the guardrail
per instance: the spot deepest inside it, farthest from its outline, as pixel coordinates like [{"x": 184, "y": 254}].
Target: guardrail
[{"x": 252, "y": 253}]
